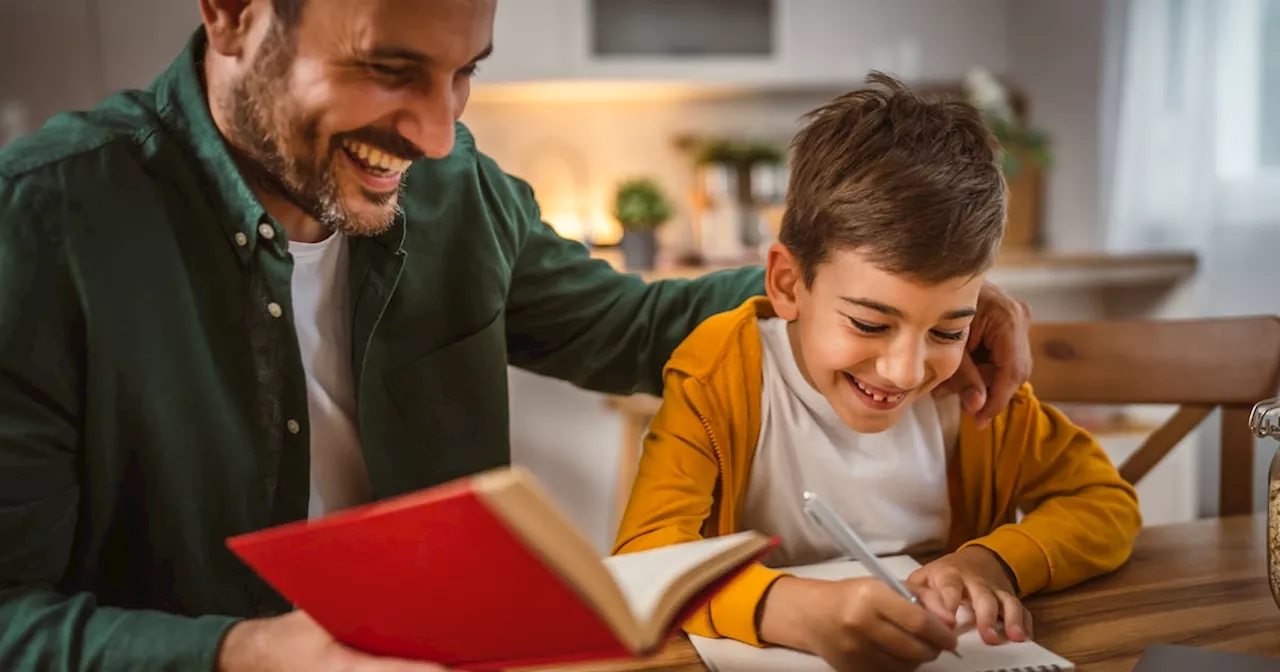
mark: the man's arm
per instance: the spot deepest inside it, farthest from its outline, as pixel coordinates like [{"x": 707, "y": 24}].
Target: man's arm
[
  {"x": 575, "y": 318},
  {"x": 41, "y": 379}
]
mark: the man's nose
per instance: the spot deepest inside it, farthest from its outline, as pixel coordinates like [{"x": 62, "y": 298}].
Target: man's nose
[{"x": 429, "y": 124}]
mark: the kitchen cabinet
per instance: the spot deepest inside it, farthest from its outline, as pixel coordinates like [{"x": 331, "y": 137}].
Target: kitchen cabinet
[
  {"x": 48, "y": 49},
  {"x": 801, "y": 43}
]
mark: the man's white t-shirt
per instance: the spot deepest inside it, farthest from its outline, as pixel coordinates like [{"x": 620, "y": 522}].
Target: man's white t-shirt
[
  {"x": 339, "y": 478},
  {"x": 891, "y": 487}
]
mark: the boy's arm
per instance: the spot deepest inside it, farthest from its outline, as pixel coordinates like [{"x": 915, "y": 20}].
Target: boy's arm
[
  {"x": 1081, "y": 517},
  {"x": 673, "y": 496}
]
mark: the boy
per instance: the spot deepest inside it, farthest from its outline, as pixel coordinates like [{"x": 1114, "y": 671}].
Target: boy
[{"x": 895, "y": 211}]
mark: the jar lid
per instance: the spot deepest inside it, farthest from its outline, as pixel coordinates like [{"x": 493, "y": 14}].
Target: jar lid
[{"x": 1264, "y": 420}]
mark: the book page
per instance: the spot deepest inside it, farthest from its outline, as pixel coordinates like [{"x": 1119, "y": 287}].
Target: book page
[
  {"x": 727, "y": 655},
  {"x": 644, "y": 576}
]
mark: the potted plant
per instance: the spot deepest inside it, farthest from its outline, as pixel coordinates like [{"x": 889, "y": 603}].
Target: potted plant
[
  {"x": 641, "y": 208},
  {"x": 1026, "y": 154}
]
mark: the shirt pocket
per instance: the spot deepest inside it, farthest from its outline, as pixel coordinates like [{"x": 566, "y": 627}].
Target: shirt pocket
[{"x": 454, "y": 403}]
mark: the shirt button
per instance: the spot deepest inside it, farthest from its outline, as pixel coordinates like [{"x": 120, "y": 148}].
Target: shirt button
[
  {"x": 293, "y": 426},
  {"x": 266, "y": 231},
  {"x": 274, "y": 309},
  {"x": 241, "y": 239}
]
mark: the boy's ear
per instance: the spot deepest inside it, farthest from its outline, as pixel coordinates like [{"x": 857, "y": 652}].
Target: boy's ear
[
  {"x": 227, "y": 23},
  {"x": 783, "y": 282}
]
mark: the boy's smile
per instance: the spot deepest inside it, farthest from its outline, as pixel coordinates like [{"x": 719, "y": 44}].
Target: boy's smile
[
  {"x": 869, "y": 340},
  {"x": 876, "y": 397}
]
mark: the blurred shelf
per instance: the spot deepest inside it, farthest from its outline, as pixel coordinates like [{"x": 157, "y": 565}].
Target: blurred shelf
[{"x": 1016, "y": 270}]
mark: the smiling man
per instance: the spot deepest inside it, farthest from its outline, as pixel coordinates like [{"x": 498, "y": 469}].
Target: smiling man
[{"x": 282, "y": 281}]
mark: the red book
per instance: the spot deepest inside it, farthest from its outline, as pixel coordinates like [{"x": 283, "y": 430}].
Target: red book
[{"x": 486, "y": 573}]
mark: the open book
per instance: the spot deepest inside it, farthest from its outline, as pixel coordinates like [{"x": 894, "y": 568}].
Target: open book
[
  {"x": 486, "y": 573},
  {"x": 727, "y": 655}
]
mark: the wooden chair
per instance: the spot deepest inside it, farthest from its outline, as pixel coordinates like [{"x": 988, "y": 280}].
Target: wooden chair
[{"x": 1199, "y": 365}]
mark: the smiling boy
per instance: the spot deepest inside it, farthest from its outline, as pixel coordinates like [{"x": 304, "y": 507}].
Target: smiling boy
[{"x": 895, "y": 212}]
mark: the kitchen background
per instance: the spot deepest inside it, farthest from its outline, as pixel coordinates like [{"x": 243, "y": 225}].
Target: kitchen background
[{"x": 1145, "y": 135}]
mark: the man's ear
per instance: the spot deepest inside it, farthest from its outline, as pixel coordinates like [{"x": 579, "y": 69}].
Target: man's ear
[
  {"x": 783, "y": 282},
  {"x": 227, "y": 22}
]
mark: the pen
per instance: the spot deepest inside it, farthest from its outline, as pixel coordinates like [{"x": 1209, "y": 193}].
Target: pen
[{"x": 847, "y": 539}]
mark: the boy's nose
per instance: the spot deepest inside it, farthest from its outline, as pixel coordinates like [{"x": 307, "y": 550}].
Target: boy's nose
[{"x": 903, "y": 366}]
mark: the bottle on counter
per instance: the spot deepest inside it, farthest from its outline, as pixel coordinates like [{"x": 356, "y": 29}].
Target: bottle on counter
[{"x": 1264, "y": 421}]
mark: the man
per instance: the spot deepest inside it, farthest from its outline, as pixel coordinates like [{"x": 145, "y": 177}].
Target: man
[{"x": 280, "y": 282}]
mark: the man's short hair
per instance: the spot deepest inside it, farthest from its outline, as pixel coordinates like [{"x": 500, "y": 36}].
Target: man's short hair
[{"x": 912, "y": 182}]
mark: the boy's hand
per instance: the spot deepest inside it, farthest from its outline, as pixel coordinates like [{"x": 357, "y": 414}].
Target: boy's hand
[
  {"x": 856, "y": 624},
  {"x": 974, "y": 576},
  {"x": 1002, "y": 329}
]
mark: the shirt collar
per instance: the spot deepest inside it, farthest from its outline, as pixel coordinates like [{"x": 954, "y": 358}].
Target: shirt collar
[{"x": 184, "y": 106}]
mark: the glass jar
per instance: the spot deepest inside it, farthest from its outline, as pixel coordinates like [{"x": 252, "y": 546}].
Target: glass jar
[{"x": 1264, "y": 420}]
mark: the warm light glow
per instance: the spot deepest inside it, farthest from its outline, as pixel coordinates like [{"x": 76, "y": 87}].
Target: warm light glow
[
  {"x": 567, "y": 224},
  {"x": 605, "y": 230}
]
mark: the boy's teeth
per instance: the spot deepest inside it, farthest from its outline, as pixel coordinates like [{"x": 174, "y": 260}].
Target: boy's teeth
[{"x": 876, "y": 396}]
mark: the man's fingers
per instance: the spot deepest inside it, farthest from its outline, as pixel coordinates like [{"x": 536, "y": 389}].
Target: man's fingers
[
  {"x": 1001, "y": 393},
  {"x": 977, "y": 329},
  {"x": 967, "y": 382}
]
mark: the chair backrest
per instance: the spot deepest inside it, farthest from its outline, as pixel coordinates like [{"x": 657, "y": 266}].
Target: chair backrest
[{"x": 1199, "y": 365}]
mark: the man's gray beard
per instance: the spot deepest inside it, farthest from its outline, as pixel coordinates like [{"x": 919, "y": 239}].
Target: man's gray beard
[{"x": 312, "y": 189}]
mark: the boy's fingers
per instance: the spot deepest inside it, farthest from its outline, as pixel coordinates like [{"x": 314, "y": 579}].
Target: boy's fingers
[
  {"x": 934, "y": 602},
  {"x": 918, "y": 622},
  {"x": 1014, "y": 615},
  {"x": 986, "y": 611},
  {"x": 899, "y": 648}
]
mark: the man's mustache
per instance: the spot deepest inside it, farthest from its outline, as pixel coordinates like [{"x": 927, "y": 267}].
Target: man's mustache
[{"x": 388, "y": 142}]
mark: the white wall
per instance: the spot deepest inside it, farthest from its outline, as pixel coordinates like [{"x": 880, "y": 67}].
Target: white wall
[{"x": 1055, "y": 56}]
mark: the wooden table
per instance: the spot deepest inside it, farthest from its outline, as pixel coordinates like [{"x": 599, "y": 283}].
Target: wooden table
[{"x": 1201, "y": 584}]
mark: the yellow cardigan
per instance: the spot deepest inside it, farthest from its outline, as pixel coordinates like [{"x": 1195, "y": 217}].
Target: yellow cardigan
[{"x": 1080, "y": 517}]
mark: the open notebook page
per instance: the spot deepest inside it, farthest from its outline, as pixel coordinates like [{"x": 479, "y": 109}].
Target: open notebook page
[
  {"x": 644, "y": 577},
  {"x": 727, "y": 655}
]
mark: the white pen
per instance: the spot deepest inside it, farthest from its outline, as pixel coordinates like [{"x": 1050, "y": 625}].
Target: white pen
[{"x": 851, "y": 543}]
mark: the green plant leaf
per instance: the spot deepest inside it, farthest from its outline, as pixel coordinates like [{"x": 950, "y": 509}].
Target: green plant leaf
[{"x": 641, "y": 204}]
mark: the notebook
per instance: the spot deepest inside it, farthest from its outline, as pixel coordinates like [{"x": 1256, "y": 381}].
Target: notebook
[{"x": 727, "y": 655}]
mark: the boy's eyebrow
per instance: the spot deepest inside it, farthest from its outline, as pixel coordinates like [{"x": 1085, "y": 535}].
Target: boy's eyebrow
[{"x": 890, "y": 310}]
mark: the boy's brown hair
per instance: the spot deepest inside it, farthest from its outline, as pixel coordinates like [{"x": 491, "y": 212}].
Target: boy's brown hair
[{"x": 914, "y": 183}]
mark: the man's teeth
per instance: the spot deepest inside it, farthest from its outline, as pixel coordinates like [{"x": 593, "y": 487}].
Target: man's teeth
[
  {"x": 376, "y": 158},
  {"x": 877, "y": 396}
]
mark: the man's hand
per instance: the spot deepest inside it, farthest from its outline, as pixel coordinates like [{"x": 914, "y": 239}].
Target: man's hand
[
  {"x": 295, "y": 642},
  {"x": 854, "y": 625},
  {"x": 975, "y": 577},
  {"x": 1001, "y": 328}
]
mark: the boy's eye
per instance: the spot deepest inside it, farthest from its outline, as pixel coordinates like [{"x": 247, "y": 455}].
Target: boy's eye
[
  {"x": 868, "y": 328},
  {"x": 949, "y": 335}
]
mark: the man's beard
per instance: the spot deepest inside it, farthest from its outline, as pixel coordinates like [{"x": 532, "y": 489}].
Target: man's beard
[{"x": 280, "y": 147}]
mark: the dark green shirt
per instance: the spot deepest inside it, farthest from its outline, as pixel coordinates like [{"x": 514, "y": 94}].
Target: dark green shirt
[{"x": 152, "y": 404}]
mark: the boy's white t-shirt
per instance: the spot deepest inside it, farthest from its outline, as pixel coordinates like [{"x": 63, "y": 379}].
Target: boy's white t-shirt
[
  {"x": 891, "y": 487},
  {"x": 339, "y": 478}
]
